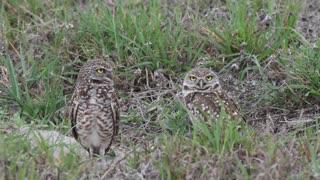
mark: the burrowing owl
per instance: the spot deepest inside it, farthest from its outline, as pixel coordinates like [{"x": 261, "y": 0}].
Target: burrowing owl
[
  {"x": 204, "y": 98},
  {"x": 94, "y": 111}
]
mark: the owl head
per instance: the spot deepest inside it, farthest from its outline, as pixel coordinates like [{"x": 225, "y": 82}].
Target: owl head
[
  {"x": 201, "y": 80},
  {"x": 96, "y": 72}
]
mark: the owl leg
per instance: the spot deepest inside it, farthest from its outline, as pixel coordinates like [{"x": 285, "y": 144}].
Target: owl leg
[
  {"x": 102, "y": 152},
  {"x": 97, "y": 151},
  {"x": 106, "y": 150},
  {"x": 94, "y": 151},
  {"x": 91, "y": 153}
]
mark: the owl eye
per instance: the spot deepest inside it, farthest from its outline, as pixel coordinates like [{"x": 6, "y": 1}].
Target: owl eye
[
  {"x": 209, "y": 78},
  {"x": 100, "y": 71},
  {"x": 192, "y": 78}
]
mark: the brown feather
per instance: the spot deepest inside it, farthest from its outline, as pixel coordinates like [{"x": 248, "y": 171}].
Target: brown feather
[{"x": 94, "y": 111}]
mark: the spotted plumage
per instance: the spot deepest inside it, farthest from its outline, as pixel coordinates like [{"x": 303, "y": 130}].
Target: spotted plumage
[
  {"x": 204, "y": 97},
  {"x": 94, "y": 110}
]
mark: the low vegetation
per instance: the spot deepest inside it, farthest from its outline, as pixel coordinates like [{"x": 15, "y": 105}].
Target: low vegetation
[{"x": 262, "y": 57}]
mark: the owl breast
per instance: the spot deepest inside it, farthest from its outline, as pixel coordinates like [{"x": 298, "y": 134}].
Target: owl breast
[
  {"x": 208, "y": 105},
  {"x": 95, "y": 123}
]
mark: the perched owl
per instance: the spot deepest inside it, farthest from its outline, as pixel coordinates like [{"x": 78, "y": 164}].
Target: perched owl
[
  {"x": 94, "y": 110},
  {"x": 204, "y": 98}
]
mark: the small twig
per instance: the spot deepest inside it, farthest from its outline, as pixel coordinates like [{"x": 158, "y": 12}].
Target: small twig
[
  {"x": 299, "y": 121},
  {"x": 213, "y": 34},
  {"x": 270, "y": 118},
  {"x": 301, "y": 113}
]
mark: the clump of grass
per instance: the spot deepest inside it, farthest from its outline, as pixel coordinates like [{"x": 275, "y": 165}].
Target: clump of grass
[
  {"x": 34, "y": 65},
  {"x": 36, "y": 91},
  {"x": 302, "y": 70},
  {"x": 139, "y": 36},
  {"x": 133, "y": 162},
  {"x": 244, "y": 33},
  {"x": 22, "y": 159},
  {"x": 223, "y": 135},
  {"x": 175, "y": 120},
  {"x": 304, "y": 76},
  {"x": 209, "y": 145}
]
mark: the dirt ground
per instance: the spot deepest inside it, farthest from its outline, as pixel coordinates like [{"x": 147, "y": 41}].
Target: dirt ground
[{"x": 309, "y": 20}]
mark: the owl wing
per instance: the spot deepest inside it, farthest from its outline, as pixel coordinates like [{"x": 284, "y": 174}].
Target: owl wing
[
  {"x": 115, "y": 114},
  {"x": 231, "y": 106},
  {"x": 73, "y": 113}
]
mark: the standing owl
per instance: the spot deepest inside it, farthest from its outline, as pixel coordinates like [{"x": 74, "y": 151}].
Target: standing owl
[
  {"x": 204, "y": 98},
  {"x": 94, "y": 111}
]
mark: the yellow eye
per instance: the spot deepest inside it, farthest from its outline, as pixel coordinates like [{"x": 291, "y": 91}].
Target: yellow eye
[
  {"x": 100, "y": 71},
  {"x": 192, "y": 78},
  {"x": 209, "y": 78}
]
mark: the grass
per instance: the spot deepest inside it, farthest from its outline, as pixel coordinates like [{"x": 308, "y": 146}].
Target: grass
[{"x": 151, "y": 45}]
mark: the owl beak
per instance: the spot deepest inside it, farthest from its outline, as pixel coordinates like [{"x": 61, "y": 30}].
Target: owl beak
[{"x": 201, "y": 83}]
